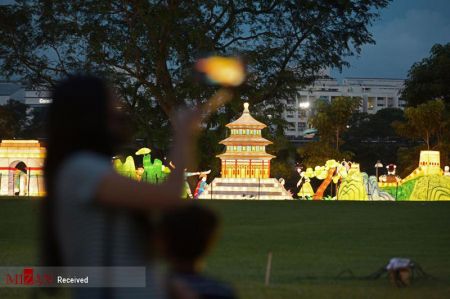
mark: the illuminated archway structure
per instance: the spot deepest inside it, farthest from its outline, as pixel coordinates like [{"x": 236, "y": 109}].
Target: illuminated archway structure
[
  {"x": 21, "y": 168},
  {"x": 245, "y": 165}
]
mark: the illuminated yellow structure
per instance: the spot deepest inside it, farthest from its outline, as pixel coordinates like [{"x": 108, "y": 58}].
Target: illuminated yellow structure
[
  {"x": 429, "y": 164},
  {"x": 21, "y": 168},
  {"x": 426, "y": 182},
  {"x": 245, "y": 165},
  {"x": 245, "y": 155}
]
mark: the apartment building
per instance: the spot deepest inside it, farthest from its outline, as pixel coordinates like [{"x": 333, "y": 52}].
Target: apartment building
[{"x": 375, "y": 93}]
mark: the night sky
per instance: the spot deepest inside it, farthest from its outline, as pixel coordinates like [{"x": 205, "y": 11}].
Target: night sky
[{"x": 404, "y": 34}]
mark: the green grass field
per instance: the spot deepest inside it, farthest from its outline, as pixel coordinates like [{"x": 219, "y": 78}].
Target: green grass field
[{"x": 311, "y": 243}]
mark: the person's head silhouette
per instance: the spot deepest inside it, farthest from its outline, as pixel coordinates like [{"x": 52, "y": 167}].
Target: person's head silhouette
[{"x": 187, "y": 235}]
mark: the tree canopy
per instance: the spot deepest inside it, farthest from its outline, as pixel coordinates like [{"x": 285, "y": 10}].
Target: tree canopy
[
  {"x": 430, "y": 78},
  {"x": 13, "y": 119},
  {"x": 427, "y": 91},
  {"x": 371, "y": 137},
  {"x": 426, "y": 122},
  {"x": 331, "y": 119},
  {"x": 373, "y": 127},
  {"x": 147, "y": 48}
]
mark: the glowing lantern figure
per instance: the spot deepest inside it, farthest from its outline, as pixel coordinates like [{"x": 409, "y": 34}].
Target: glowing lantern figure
[{"x": 306, "y": 191}]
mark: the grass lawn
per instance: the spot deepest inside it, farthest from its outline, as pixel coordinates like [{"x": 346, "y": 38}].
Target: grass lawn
[{"x": 311, "y": 243}]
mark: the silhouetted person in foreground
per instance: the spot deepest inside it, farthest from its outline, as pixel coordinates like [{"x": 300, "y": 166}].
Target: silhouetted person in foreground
[
  {"x": 92, "y": 216},
  {"x": 186, "y": 236}
]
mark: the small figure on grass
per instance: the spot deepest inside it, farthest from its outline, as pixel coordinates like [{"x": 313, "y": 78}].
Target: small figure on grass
[
  {"x": 391, "y": 177},
  {"x": 446, "y": 171},
  {"x": 306, "y": 191},
  {"x": 187, "y": 189},
  {"x": 201, "y": 185}
]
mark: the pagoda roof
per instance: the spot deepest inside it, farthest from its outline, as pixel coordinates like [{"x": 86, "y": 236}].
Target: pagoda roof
[
  {"x": 245, "y": 140},
  {"x": 246, "y": 156},
  {"x": 246, "y": 121}
]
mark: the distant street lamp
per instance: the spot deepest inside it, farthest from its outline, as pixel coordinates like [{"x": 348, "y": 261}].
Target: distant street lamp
[
  {"x": 304, "y": 105},
  {"x": 378, "y": 165}
]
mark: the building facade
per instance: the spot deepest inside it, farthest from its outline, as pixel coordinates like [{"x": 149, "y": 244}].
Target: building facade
[{"x": 375, "y": 94}]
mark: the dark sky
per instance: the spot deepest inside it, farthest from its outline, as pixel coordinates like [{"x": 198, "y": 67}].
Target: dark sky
[{"x": 404, "y": 34}]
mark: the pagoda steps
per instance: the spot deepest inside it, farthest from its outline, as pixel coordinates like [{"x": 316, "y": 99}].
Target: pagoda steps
[{"x": 245, "y": 189}]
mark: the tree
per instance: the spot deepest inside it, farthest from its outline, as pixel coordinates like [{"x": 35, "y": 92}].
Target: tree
[
  {"x": 371, "y": 137},
  {"x": 430, "y": 78},
  {"x": 427, "y": 91},
  {"x": 332, "y": 118},
  {"x": 317, "y": 153},
  {"x": 13, "y": 119},
  {"x": 283, "y": 166},
  {"x": 426, "y": 122},
  {"x": 147, "y": 48},
  {"x": 376, "y": 127},
  {"x": 36, "y": 123}
]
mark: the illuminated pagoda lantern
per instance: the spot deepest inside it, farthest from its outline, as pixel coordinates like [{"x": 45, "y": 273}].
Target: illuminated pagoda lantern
[
  {"x": 245, "y": 165},
  {"x": 245, "y": 155}
]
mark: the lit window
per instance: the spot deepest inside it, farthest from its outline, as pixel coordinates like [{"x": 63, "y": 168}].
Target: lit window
[
  {"x": 301, "y": 126},
  {"x": 370, "y": 103},
  {"x": 301, "y": 113}
]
